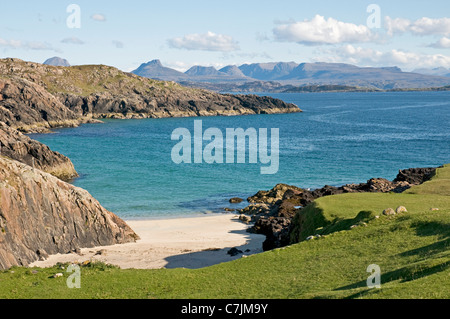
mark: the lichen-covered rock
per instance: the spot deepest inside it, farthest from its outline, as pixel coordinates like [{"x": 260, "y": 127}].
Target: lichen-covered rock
[
  {"x": 401, "y": 209},
  {"x": 41, "y": 215}
]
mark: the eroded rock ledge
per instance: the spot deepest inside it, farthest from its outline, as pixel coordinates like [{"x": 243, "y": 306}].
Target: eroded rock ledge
[
  {"x": 19, "y": 147},
  {"x": 42, "y": 215}
]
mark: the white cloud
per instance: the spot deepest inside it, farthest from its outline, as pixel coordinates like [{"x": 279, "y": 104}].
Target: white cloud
[
  {"x": 205, "y": 42},
  {"x": 98, "y": 17},
  {"x": 72, "y": 40},
  {"x": 27, "y": 45},
  {"x": 370, "y": 57},
  {"x": 443, "y": 43},
  {"x": 323, "y": 31},
  {"x": 423, "y": 26}
]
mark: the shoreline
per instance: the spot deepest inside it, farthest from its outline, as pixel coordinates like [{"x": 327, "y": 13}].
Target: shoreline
[{"x": 191, "y": 242}]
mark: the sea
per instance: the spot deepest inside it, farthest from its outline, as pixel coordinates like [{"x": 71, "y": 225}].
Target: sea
[{"x": 339, "y": 138}]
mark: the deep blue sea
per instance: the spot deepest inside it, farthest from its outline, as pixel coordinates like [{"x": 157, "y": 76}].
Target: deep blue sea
[{"x": 339, "y": 138}]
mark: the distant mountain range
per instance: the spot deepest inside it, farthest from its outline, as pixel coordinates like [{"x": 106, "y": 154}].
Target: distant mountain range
[
  {"x": 289, "y": 76},
  {"x": 436, "y": 71},
  {"x": 293, "y": 74}
]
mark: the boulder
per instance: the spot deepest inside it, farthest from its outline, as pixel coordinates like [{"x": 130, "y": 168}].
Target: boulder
[
  {"x": 236, "y": 200},
  {"x": 401, "y": 209},
  {"x": 388, "y": 212},
  {"x": 234, "y": 252}
]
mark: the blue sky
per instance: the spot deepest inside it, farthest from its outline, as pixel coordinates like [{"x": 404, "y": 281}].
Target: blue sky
[{"x": 124, "y": 34}]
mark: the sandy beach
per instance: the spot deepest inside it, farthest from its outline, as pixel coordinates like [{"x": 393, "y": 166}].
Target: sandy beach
[{"x": 173, "y": 243}]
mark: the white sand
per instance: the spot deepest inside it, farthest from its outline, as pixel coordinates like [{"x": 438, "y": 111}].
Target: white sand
[{"x": 173, "y": 243}]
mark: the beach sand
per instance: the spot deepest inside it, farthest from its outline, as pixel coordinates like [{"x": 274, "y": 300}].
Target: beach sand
[{"x": 173, "y": 243}]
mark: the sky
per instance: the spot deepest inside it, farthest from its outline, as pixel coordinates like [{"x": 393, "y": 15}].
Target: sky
[{"x": 408, "y": 34}]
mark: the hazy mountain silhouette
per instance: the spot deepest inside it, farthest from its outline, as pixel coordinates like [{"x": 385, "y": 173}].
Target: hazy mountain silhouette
[{"x": 57, "y": 61}]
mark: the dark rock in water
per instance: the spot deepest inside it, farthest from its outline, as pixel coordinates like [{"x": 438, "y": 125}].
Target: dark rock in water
[
  {"x": 41, "y": 215},
  {"x": 234, "y": 252},
  {"x": 236, "y": 200},
  {"x": 415, "y": 175}
]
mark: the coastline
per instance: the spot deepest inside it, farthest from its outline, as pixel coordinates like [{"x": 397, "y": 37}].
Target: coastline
[{"x": 191, "y": 242}]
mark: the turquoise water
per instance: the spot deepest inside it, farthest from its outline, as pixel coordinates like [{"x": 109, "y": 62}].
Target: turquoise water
[{"x": 340, "y": 138}]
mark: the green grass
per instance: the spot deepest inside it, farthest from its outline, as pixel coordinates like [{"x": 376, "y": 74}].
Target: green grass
[{"x": 412, "y": 250}]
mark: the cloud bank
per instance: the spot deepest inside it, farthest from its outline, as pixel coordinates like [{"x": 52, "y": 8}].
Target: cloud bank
[
  {"x": 319, "y": 31},
  {"x": 205, "y": 42},
  {"x": 421, "y": 27},
  {"x": 370, "y": 57}
]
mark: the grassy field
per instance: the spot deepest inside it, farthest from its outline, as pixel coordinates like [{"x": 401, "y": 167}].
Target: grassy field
[{"x": 412, "y": 250}]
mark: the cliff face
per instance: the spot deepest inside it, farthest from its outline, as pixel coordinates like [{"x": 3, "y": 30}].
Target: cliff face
[
  {"x": 98, "y": 91},
  {"x": 19, "y": 147},
  {"x": 41, "y": 215},
  {"x": 29, "y": 107}
]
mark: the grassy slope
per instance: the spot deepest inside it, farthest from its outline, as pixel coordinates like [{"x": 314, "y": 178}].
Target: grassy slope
[{"x": 412, "y": 250}]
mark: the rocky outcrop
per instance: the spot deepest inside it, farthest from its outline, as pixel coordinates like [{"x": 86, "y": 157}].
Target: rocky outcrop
[
  {"x": 29, "y": 107},
  {"x": 19, "y": 147},
  {"x": 272, "y": 211},
  {"x": 42, "y": 215},
  {"x": 201, "y": 103},
  {"x": 415, "y": 175}
]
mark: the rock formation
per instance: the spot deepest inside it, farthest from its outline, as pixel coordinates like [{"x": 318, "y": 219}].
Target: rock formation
[
  {"x": 19, "y": 147},
  {"x": 29, "y": 107},
  {"x": 42, "y": 215}
]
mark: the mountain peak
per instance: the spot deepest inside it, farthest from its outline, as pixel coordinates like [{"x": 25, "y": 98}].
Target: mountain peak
[
  {"x": 232, "y": 70},
  {"x": 155, "y": 62},
  {"x": 155, "y": 70},
  {"x": 57, "y": 61},
  {"x": 202, "y": 70}
]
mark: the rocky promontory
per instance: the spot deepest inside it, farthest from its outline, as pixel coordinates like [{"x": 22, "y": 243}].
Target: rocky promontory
[
  {"x": 49, "y": 96},
  {"x": 28, "y": 107},
  {"x": 42, "y": 215}
]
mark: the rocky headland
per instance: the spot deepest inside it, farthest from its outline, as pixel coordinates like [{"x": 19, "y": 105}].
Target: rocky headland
[
  {"x": 36, "y": 97},
  {"x": 272, "y": 212}
]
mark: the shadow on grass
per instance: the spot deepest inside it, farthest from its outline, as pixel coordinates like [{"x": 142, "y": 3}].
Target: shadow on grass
[
  {"x": 419, "y": 269},
  {"x": 404, "y": 274},
  {"x": 433, "y": 228}
]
